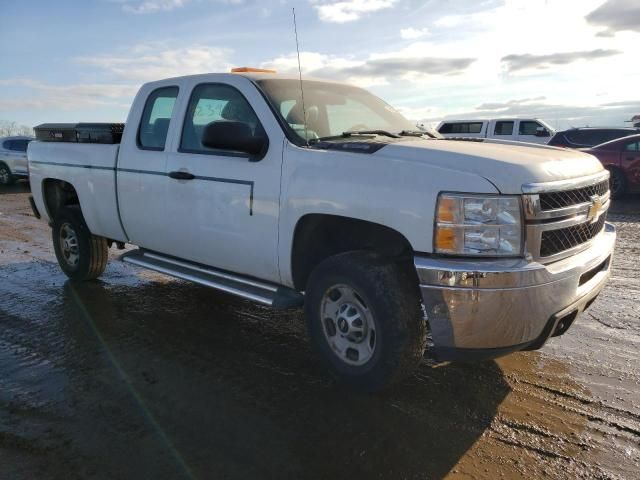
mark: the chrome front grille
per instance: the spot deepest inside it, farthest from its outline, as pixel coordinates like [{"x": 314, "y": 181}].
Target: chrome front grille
[
  {"x": 576, "y": 196},
  {"x": 557, "y": 241},
  {"x": 563, "y": 217}
]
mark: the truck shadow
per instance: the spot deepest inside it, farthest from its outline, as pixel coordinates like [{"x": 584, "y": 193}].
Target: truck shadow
[{"x": 179, "y": 378}]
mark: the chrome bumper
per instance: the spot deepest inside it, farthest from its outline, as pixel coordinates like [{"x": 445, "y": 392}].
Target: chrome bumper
[{"x": 486, "y": 308}]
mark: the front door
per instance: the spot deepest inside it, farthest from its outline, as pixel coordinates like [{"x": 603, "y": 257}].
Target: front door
[
  {"x": 224, "y": 204},
  {"x": 532, "y": 132}
]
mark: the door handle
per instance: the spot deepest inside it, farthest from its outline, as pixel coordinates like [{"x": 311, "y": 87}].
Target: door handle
[{"x": 180, "y": 175}]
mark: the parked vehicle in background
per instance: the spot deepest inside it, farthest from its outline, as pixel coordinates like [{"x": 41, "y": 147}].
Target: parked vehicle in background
[
  {"x": 13, "y": 159},
  {"x": 532, "y": 130},
  {"x": 586, "y": 137},
  {"x": 635, "y": 121},
  {"x": 373, "y": 226},
  {"x": 622, "y": 158}
]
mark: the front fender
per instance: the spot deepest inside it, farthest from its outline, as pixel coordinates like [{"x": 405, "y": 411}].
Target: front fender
[{"x": 399, "y": 194}]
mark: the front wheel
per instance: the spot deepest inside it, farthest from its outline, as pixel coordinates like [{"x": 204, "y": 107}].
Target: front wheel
[
  {"x": 81, "y": 255},
  {"x": 6, "y": 178},
  {"x": 365, "y": 319},
  {"x": 617, "y": 183}
]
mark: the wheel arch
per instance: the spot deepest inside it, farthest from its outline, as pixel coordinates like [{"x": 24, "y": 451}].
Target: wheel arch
[
  {"x": 56, "y": 194},
  {"x": 618, "y": 170},
  {"x": 319, "y": 236}
]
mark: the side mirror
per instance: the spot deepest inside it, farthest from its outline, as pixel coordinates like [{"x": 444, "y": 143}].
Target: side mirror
[
  {"x": 542, "y": 132},
  {"x": 236, "y": 136}
]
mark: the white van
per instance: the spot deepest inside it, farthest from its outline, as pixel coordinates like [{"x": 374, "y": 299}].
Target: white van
[{"x": 532, "y": 130}]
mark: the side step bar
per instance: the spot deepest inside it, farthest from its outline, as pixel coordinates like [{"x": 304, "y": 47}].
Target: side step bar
[{"x": 276, "y": 296}]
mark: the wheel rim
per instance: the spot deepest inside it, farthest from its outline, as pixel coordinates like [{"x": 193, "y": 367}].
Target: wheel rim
[
  {"x": 4, "y": 175},
  {"x": 69, "y": 245},
  {"x": 347, "y": 324}
]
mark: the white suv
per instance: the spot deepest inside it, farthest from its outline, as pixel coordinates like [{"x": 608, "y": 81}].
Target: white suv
[{"x": 13, "y": 159}]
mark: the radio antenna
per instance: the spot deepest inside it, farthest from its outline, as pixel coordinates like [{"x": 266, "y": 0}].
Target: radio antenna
[{"x": 304, "y": 110}]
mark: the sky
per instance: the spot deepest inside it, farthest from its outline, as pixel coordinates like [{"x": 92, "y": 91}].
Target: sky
[{"x": 569, "y": 62}]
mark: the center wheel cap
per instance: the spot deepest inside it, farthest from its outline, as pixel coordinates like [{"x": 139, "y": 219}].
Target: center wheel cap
[
  {"x": 343, "y": 325},
  {"x": 348, "y": 325}
]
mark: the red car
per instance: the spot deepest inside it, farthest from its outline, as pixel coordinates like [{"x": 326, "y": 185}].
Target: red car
[{"x": 622, "y": 158}]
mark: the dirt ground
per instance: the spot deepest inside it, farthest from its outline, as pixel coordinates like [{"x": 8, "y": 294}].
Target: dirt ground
[{"x": 142, "y": 376}]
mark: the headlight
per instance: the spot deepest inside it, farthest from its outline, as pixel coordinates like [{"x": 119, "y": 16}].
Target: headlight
[{"x": 478, "y": 225}]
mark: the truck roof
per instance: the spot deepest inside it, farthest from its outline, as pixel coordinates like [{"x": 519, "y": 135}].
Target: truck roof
[{"x": 250, "y": 75}]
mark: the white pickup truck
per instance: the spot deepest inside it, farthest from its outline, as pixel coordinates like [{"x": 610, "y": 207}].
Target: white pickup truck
[
  {"x": 394, "y": 241},
  {"x": 530, "y": 130}
]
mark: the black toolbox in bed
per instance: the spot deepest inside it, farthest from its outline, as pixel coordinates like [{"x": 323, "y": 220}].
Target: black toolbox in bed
[{"x": 80, "y": 132}]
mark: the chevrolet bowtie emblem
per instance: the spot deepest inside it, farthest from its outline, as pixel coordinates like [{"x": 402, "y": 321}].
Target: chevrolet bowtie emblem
[{"x": 594, "y": 209}]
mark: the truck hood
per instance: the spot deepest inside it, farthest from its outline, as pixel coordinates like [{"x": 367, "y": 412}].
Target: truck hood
[{"x": 508, "y": 165}]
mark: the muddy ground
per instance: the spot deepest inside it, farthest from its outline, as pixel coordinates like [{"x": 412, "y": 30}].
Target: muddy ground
[{"x": 142, "y": 376}]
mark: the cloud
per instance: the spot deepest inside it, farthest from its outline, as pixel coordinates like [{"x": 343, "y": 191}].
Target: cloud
[
  {"x": 349, "y": 10},
  {"x": 150, "y": 6},
  {"x": 68, "y": 97},
  {"x": 510, "y": 103},
  {"x": 401, "y": 66},
  {"x": 374, "y": 70},
  {"x": 150, "y": 62},
  {"x": 413, "y": 33},
  {"x": 526, "y": 61},
  {"x": 616, "y": 16}
]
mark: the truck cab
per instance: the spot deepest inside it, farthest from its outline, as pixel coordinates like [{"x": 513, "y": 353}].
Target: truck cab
[{"x": 320, "y": 195}]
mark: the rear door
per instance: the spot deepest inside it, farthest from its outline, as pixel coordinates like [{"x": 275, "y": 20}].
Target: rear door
[
  {"x": 15, "y": 155},
  {"x": 503, "y": 129},
  {"x": 20, "y": 148},
  {"x": 226, "y": 215},
  {"x": 142, "y": 159}
]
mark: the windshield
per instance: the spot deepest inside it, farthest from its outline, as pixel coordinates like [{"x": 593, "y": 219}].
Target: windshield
[{"x": 331, "y": 109}]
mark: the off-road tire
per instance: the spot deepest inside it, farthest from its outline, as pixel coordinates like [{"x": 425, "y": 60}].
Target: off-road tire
[
  {"x": 390, "y": 291},
  {"x": 618, "y": 180},
  {"x": 92, "y": 250},
  {"x": 6, "y": 177}
]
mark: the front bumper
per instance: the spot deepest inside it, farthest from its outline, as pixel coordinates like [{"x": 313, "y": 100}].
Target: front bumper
[{"x": 479, "y": 309}]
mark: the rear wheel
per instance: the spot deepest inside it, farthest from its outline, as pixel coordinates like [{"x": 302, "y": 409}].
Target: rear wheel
[
  {"x": 365, "y": 319},
  {"x": 81, "y": 255},
  {"x": 617, "y": 183},
  {"x": 6, "y": 178}
]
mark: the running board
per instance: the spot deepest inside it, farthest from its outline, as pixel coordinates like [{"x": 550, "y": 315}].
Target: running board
[{"x": 276, "y": 296}]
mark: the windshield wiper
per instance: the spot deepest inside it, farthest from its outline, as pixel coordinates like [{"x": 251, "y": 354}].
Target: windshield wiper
[
  {"x": 354, "y": 133},
  {"x": 418, "y": 133},
  {"x": 412, "y": 133},
  {"x": 370, "y": 132}
]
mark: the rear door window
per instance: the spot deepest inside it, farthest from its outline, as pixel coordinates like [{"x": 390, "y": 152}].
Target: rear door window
[
  {"x": 154, "y": 124},
  {"x": 461, "y": 127},
  {"x": 600, "y": 136},
  {"x": 578, "y": 137},
  {"x": 632, "y": 147},
  {"x": 503, "y": 128},
  {"x": 20, "y": 145}
]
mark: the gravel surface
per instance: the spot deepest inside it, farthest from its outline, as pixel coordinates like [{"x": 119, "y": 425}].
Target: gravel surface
[{"x": 142, "y": 376}]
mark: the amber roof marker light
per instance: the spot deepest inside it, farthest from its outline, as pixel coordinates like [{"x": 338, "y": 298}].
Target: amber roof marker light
[{"x": 251, "y": 70}]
